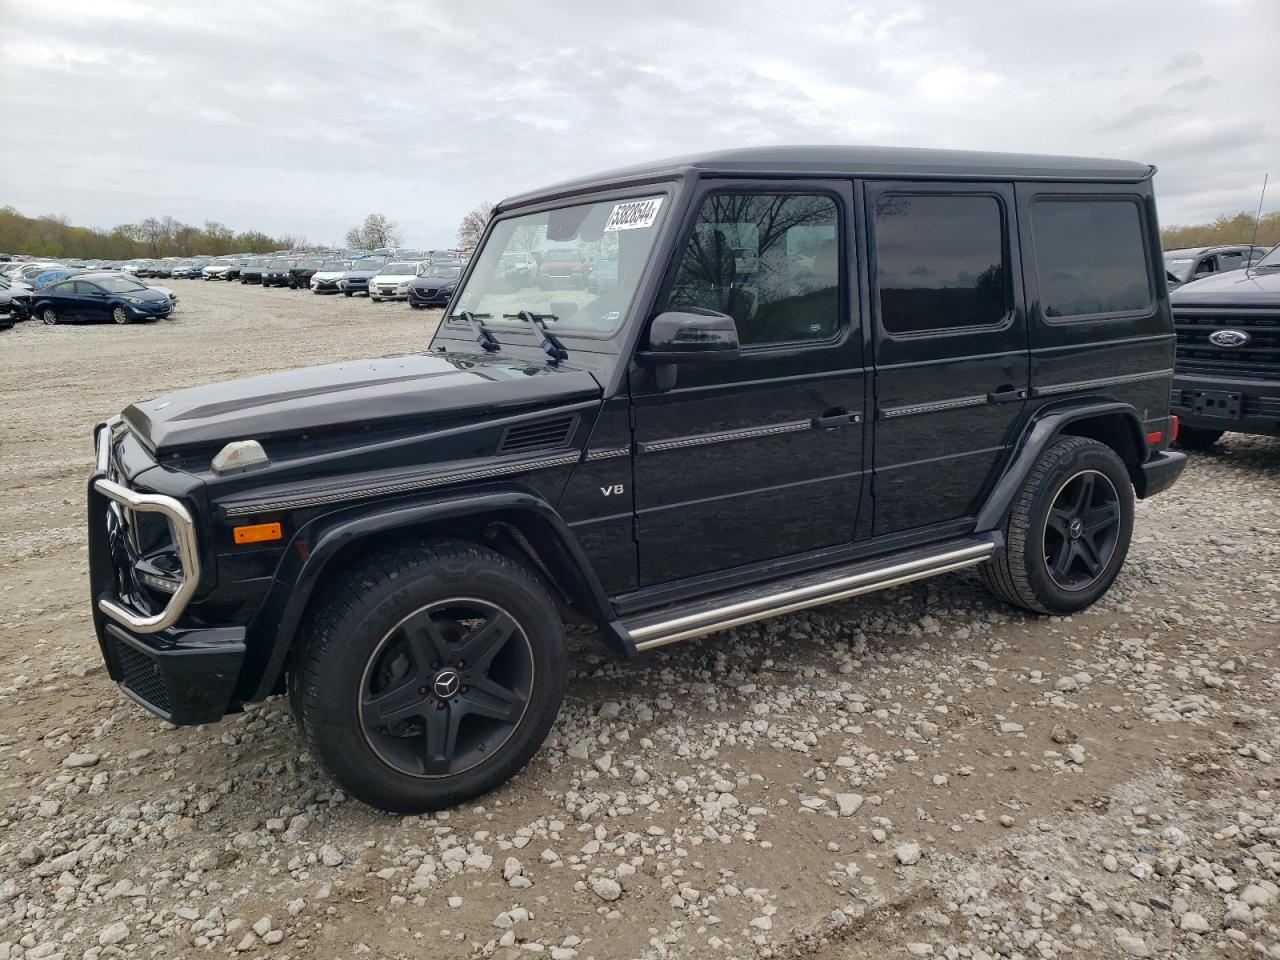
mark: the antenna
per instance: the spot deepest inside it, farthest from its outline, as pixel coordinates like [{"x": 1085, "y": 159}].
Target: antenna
[{"x": 1257, "y": 219}]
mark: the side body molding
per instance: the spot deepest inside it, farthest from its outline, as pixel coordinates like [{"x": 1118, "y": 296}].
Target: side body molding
[
  {"x": 1049, "y": 423},
  {"x": 274, "y": 628}
]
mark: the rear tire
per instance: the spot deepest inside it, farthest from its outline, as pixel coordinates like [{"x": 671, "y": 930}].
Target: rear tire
[
  {"x": 430, "y": 675},
  {"x": 1197, "y": 438},
  {"x": 1068, "y": 531}
]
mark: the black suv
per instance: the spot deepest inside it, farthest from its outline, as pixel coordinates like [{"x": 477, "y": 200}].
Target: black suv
[
  {"x": 822, "y": 371},
  {"x": 1228, "y": 369}
]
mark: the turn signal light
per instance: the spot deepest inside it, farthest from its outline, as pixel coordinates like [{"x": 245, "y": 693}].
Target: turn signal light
[{"x": 257, "y": 533}]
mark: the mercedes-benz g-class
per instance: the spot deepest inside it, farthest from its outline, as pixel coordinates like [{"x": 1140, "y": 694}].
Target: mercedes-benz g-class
[{"x": 821, "y": 371}]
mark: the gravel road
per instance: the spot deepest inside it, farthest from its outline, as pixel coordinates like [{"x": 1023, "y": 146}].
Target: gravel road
[{"x": 924, "y": 772}]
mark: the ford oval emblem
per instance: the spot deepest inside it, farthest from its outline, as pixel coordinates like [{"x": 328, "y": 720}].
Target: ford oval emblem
[{"x": 1229, "y": 338}]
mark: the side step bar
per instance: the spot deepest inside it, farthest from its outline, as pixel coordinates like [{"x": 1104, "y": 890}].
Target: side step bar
[{"x": 683, "y": 622}]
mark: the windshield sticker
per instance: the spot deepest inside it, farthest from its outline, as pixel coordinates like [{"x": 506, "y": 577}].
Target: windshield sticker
[{"x": 634, "y": 214}]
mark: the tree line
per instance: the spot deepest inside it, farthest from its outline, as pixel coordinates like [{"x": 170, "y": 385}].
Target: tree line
[
  {"x": 56, "y": 236},
  {"x": 1228, "y": 228}
]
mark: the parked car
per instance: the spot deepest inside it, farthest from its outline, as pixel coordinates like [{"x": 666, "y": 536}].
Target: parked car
[
  {"x": 392, "y": 280},
  {"x": 397, "y": 543},
  {"x": 88, "y": 297},
  {"x": 1195, "y": 263},
  {"x": 1227, "y": 374},
  {"x": 301, "y": 273},
  {"x": 276, "y": 272},
  {"x": 434, "y": 284},
  {"x": 326, "y": 276},
  {"x": 562, "y": 267},
  {"x": 603, "y": 276},
  {"x": 251, "y": 271},
  {"x": 518, "y": 269},
  {"x": 356, "y": 279},
  {"x": 232, "y": 272},
  {"x": 216, "y": 269},
  {"x": 15, "y": 299}
]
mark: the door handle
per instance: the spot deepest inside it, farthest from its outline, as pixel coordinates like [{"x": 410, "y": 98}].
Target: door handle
[
  {"x": 1007, "y": 394},
  {"x": 834, "y": 419}
]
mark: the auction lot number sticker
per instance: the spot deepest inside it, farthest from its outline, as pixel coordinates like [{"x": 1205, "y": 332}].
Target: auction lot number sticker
[{"x": 634, "y": 214}]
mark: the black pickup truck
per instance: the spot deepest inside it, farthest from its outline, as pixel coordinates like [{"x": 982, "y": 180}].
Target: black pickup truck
[
  {"x": 1227, "y": 375},
  {"x": 821, "y": 371}
]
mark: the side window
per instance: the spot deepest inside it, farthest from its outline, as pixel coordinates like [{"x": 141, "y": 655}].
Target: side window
[
  {"x": 770, "y": 261},
  {"x": 66, "y": 287},
  {"x": 940, "y": 262},
  {"x": 1090, "y": 256},
  {"x": 1230, "y": 261},
  {"x": 84, "y": 288},
  {"x": 1204, "y": 267}
]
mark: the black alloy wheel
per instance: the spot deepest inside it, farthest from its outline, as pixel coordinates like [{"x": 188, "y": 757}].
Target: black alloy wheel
[
  {"x": 446, "y": 687},
  {"x": 1081, "y": 530}
]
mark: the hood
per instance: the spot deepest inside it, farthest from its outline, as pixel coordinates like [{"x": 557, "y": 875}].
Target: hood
[
  {"x": 430, "y": 281},
  {"x": 1235, "y": 288},
  {"x": 155, "y": 294},
  {"x": 359, "y": 274},
  {"x": 328, "y": 274},
  {"x": 356, "y": 397}
]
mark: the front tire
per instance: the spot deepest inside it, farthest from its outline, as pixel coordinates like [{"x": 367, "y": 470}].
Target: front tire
[
  {"x": 1197, "y": 439},
  {"x": 120, "y": 315},
  {"x": 1068, "y": 531},
  {"x": 431, "y": 676}
]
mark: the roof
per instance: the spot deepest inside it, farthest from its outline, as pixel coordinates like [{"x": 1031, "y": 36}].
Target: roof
[
  {"x": 1201, "y": 251},
  {"x": 847, "y": 161}
]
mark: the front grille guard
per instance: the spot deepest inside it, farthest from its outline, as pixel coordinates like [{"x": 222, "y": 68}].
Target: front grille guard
[{"x": 184, "y": 538}]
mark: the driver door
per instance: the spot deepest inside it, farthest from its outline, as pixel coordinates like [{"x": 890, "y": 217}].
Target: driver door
[{"x": 762, "y": 457}]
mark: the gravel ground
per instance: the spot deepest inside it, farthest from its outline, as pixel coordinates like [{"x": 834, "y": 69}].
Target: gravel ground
[{"x": 924, "y": 772}]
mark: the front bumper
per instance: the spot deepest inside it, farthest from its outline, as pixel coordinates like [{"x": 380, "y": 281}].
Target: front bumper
[
  {"x": 150, "y": 313},
  {"x": 183, "y": 675},
  {"x": 324, "y": 286},
  {"x": 1227, "y": 403},
  {"x": 426, "y": 297}
]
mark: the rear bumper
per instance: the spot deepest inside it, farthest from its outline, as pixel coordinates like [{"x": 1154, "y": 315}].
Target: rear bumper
[
  {"x": 1160, "y": 472},
  {"x": 1227, "y": 403}
]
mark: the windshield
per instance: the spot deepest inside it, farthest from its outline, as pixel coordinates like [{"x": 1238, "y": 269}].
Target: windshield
[
  {"x": 1179, "y": 267},
  {"x": 623, "y": 231},
  {"x": 1272, "y": 259},
  {"x": 333, "y": 265},
  {"x": 441, "y": 272},
  {"x": 120, "y": 284},
  {"x": 309, "y": 264},
  {"x": 399, "y": 269}
]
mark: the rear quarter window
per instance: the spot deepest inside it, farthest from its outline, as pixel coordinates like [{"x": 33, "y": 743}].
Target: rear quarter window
[{"x": 1091, "y": 258}]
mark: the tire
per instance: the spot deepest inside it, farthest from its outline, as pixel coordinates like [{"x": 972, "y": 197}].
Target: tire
[
  {"x": 1047, "y": 563},
  {"x": 49, "y": 316},
  {"x": 346, "y": 293},
  {"x": 120, "y": 315},
  {"x": 1197, "y": 438},
  {"x": 382, "y": 675}
]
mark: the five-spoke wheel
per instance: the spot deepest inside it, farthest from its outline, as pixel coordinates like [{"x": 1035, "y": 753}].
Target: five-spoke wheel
[
  {"x": 429, "y": 675},
  {"x": 1067, "y": 532},
  {"x": 446, "y": 687}
]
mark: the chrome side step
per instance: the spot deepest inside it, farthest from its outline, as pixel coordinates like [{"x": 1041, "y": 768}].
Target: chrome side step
[{"x": 657, "y": 629}]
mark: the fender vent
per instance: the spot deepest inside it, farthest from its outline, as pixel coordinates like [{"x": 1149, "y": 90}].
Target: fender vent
[{"x": 539, "y": 435}]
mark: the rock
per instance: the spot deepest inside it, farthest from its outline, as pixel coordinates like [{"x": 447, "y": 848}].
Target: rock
[
  {"x": 610, "y": 710},
  {"x": 606, "y": 888},
  {"x": 920, "y": 949},
  {"x": 1076, "y": 753},
  {"x": 1132, "y": 945},
  {"x": 1007, "y": 821},
  {"x": 511, "y": 868},
  {"x": 204, "y": 860},
  {"x": 1256, "y": 895},
  {"x": 331, "y": 856},
  {"x": 1008, "y": 726},
  {"x": 77, "y": 760},
  {"x": 1193, "y": 923},
  {"x": 908, "y": 854},
  {"x": 849, "y": 803},
  {"x": 112, "y": 934},
  {"x": 262, "y": 926}
]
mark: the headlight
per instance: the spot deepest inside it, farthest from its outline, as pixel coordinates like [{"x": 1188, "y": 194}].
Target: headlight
[{"x": 135, "y": 300}]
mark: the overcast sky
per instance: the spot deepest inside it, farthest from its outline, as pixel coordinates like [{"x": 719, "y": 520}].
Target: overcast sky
[{"x": 301, "y": 117}]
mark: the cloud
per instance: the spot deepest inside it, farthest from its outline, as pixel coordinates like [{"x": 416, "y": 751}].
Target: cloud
[{"x": 300, "y": 118}]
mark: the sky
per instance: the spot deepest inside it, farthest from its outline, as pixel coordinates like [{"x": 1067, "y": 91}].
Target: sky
[{"x": 301, "y": 117}]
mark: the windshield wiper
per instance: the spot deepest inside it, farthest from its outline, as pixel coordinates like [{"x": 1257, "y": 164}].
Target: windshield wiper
[
  {"x": 552, "y": 347},
  {"x": 483, "y": 337}
]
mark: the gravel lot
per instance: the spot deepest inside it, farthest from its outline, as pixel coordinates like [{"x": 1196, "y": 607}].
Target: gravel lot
[{"x": 924, "y": 772}]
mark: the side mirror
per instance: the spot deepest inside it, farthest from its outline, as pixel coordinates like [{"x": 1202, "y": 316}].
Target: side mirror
[{"x": 691, "y": 335}]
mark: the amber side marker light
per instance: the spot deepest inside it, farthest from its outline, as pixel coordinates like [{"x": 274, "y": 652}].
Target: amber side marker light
[{"x": 257, "y": 533}]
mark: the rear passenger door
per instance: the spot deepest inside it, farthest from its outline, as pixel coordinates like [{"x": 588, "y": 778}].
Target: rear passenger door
[{"x": 950, "y": 340}]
